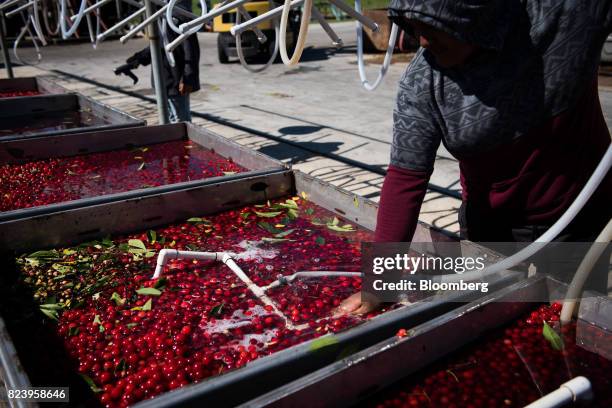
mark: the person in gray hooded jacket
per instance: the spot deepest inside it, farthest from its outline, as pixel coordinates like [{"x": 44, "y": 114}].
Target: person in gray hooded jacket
[{"x": 510, "y": 88}]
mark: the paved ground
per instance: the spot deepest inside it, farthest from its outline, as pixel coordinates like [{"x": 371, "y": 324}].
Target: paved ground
[{"x": 319, "y": 105}]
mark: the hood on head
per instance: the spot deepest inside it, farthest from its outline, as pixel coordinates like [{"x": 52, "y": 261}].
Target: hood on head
[{"x": 484, "y": 23}]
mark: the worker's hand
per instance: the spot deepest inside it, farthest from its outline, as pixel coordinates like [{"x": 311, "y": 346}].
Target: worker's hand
[
  {"x": 184, "y": 89},
  {"x": 358, "y": 303}
]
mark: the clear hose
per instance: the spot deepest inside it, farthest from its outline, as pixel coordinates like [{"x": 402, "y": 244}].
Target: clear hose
[
  {"x": 388, "y": 55},
  {"x": 68, "y": 32}
]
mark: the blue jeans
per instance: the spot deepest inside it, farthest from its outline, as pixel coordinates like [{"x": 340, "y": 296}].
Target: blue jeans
[{"x": 179, "y": 109}]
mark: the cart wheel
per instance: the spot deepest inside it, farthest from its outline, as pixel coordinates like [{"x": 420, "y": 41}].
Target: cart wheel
[{"x": 221, "y": 50}]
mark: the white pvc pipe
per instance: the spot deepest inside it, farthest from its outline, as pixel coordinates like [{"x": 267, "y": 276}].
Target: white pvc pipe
[
  {"x": 18, "y": 9},
  {"x": 209, "y": 16},
  {"x": 8, "y": 4},
  {"x": 240, "y": 53},
  {"x": 143, "y": 24},
  {"x": 367, "y": 21},
  {"x": 586, "y": 266},
  {"x": 91, "y": 8},
  {"x": 309, "y": 274},
  {"x": 575, "y": 390},
  {"x": 120, "y": 24},
  {"x": 303, "y": 33},
  {"x": 388, "y": 55}
]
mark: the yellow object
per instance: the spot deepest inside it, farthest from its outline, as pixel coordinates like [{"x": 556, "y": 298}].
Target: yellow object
[{"x": 224, "y": 22}]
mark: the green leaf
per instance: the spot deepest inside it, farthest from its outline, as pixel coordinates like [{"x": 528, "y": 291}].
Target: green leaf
[
  {"x": 335, "y": 221},
  {"x": 216, "y": 311},
  {"x": 196, "y": 220},
  {"x": 119, "y": 301},
  {"x": 149, "y": 291},
  {"x": 62, "y": 268},
  {"x": 288, "y": 204},
  {"x": 356, "y": 202},
  {"x": 317, "y": 221},
  {"x": 268, "y": 214},
  {"x": 73, "y": 331},
  {"x": 101, "y": 328},
  {"x": 310, "y": 211},
  {"x": 245, "y": 215},
  {"x": 322, "y": 342},
  {"x": 293, "y": 213},
  {"x": 136, "y": 243},
  {"x": 152, "y": 236},
  {"x": 269, "y": 227},
  {"x": 97, "y": 320},
  {"x": 274, "y": 240},
  {"x": 284, "y": 233},
  {"x": 344, "y": 228},
  {"x": 51, "y": 306},
  {"x": 107, "y": 242},
  {"x": 44, "y": 255},
  {"x": 161, "y": 283},
  {"x": 553, "y": 337},
  {"x": 148, "y": 305},
  {"x": 131, "y": 325},
  {"x": 320, "y": 240},
  {"x": 121, "y": 366},
  {"x": 91, "y": 383},
  {"x": 142, "y": 166},
  {"x": 51, "y": 314}
]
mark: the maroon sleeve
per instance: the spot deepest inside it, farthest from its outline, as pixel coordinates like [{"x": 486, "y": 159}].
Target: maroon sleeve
[{"x": 400, "y": 203}]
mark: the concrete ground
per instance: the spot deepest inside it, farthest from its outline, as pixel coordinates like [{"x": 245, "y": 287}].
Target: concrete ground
[{"x": 318, "y": 105}]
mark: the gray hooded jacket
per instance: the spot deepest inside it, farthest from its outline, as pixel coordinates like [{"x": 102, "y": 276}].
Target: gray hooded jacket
[{"x": 537, "y": 57}]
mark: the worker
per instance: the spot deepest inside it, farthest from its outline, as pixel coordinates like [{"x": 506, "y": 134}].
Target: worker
[
  {"x": 180, "y": 80},
  {"x": 510, "y": 89}
]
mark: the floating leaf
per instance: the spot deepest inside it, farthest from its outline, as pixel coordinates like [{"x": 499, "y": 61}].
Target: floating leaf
[
  {"x": 229, "y": 173},
  {"x": 310, "y": 211},
  {"x": 245, "y": 215},
  {"x": 62, "y": 268},
  {"x": 288, "y": 204},
  {"x": 97, "y": 320},
  {"x": 553, "y": 337},
  {"x": 284, "y": 233},
  {"x": 334, "y": 222},
  {"x": 119, "y": 301},
  {"x": 44, "y": 255},
  {"x": 303, "y": 194},
  {"x": 317, "y": 221},
  {"x": 292, "y": 213},
  {"x": 101, "y": 328},
  {"x": 273, "y": 240},
  {"x": 268, "y": 214},
  {"x": 149, "y": 291},
  {"x": 152, "y": 236},
  {"x": 51, "y": 306},
  {"x": 148, "y": 305},
  {"x": 91, "y": 383},
  {"x": 69, "y": 252},
  {"x": 131, "y": 325},
  {"x": 73, "y": 331},
  {"x": 320, "y": 240},
  {"x": 142, "y": 166},
  {"x": 161, "y": 283},
  {"x": 322, "y": 342},
  {"x": 121, "y": 366},
  {"x": 268, "y": 227},
  {"x": 136, "y": 243},
  {"x": 51, "y": 314},
  {"x": 216, "y": 311}
]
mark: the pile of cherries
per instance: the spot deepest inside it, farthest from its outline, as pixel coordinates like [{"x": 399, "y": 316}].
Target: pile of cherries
[
  {"x": 13, "y": 94},
  {"x": 54, "y": 180},
  {"x": 132, "y": 337},
  {"x": 511, "y": 367}
]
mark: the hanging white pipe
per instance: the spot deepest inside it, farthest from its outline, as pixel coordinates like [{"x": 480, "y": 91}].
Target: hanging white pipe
[
  {"x": 366, "y": 21},
  {"x": 9, "y": 4},
  {"x": 91, "y": 8},
  {"x": 143, "y": 24},
  {"x": 586, "y": 266},
  {"x": 240, "y": 53},
  {"x": 19, "y": 9},
  {"x": 241, "y": 11},
  {"x": 171, "y": 10},
  {"x": 575, "y": 390},
  {"x": 120, "y": 24},
  {"x": 203, "y": 19},
  {"x": 388, "y": 55}
]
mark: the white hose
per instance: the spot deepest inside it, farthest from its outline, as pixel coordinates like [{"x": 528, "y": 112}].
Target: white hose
[
  {"x": 26, "y": 30},
  {"x": 586, "y": 266},
  {"x": 283, "y": 280},
  {"x": 68, "y": 32},
  {"x": 577, "y": 389},
  {"x": 241, "y": 54},
  {"x": 388, "y": 55},
  {"x": 301, "y": 40},
  {"x": 170, "y": 46},
  {"x": 45, "y": 12}
]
